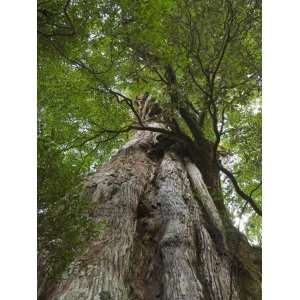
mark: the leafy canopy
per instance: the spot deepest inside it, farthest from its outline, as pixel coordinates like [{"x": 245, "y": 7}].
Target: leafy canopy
[{"x": 95, "y": 55}]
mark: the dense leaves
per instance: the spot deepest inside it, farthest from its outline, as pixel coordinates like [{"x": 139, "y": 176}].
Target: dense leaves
[{"x": 95, "y": 57}]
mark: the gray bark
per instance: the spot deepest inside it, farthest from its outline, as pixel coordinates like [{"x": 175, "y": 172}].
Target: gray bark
[{"x": 164, "y": 237}]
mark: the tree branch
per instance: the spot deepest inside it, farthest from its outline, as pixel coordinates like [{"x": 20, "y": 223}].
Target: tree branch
[
  {"x": 128, "y": 101},
  {"x": 196, "y": 83},
  {"x": 255, "y": 189},
  {"x": 56, "y": 33},
  {"x": 238, "y": 190},
  {"x": 97, "y": 135}
]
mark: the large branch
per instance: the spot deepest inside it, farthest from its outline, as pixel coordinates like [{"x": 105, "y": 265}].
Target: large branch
[
  {"x": 189, "y": 118},
  {"x": 218, "y": 133}
]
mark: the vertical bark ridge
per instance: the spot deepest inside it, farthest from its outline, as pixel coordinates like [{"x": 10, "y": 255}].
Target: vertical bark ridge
[
  {"x": 214, "y": 220},
  {"x": 176, "y": 245}
]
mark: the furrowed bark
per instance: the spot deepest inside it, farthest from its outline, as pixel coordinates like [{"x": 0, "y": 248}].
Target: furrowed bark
[
  {"x": 164, "y": 236},
  {"x": 115, "y": 189}
]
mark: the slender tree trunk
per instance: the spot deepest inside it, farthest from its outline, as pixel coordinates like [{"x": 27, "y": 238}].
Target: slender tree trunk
[{"x": 164, "y": 237}]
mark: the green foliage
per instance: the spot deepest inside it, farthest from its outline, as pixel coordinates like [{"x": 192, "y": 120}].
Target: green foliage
[
  {"x": 87, "y": 49},
  {"x": 71, "y": 113},
  {"x": 64, "y": 225},
  {"x": 243, "y": 141}
]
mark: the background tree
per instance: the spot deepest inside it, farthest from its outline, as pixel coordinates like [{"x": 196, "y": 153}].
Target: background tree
[{"x": 186, "y": 76}]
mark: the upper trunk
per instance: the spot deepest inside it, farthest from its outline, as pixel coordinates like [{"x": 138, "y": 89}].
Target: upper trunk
[{"x": 164, "y": 237}]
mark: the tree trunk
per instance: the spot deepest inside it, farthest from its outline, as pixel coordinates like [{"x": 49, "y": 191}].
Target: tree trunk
[{"x": 164, "y": 237}]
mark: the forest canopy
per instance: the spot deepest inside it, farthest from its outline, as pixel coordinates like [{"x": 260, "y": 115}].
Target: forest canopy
[{"x": 201, "y": 60}]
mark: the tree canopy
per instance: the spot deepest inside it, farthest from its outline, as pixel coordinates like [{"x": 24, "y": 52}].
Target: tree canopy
[{"x": 96, "y": 57}]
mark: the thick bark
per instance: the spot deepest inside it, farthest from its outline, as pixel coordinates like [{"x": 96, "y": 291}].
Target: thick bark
[{"x": 164, "y": 237}]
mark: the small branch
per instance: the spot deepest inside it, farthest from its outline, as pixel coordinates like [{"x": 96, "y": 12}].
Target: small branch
[
  {"x": 241, "y": 214},
  {"x": 77, "y": 62},
  {"x": 212, "y": 109},
  {"x": 68, "y": 19},
  {"x": 160, "y": 76},
  {"x": 128, "y": 101},
  {"x": 116, "y": 133},
  {"x": 255, "y": 189},
  {"x": 238, "y": 190},
  {"x": 66, "y": 6},
  {"x": 222, "y": 121},
  {"x": 226, "y": 40},
  {"x": 196, "y": 83},
  {"x": 198, "y": 113},
  {"x": 97, "y": 135}
]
